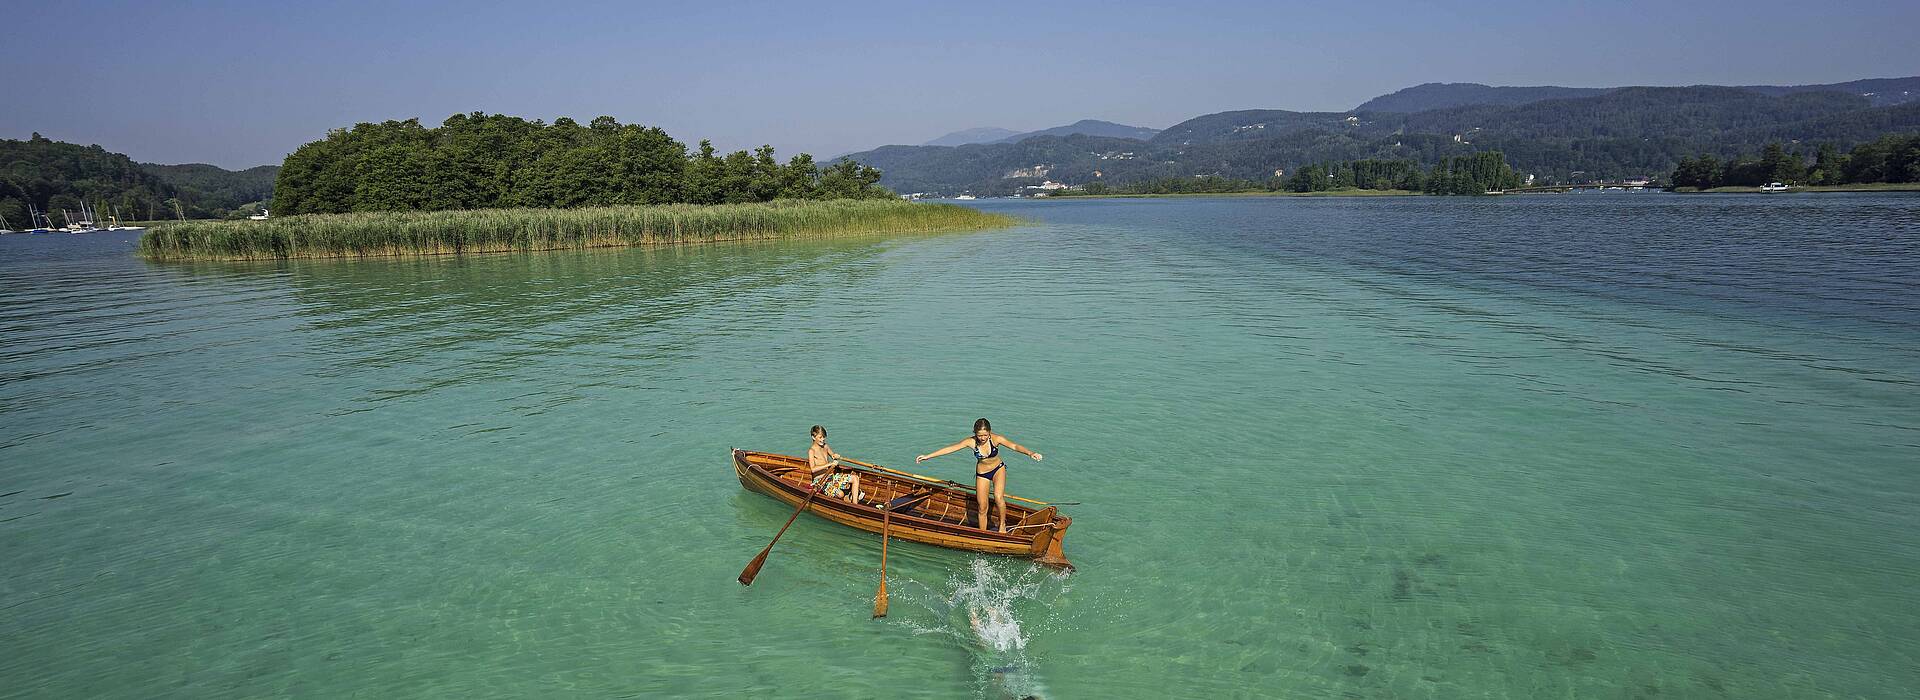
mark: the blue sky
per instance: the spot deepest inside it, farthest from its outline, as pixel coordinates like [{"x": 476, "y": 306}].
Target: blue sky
[{"x": 242, "y": 84}]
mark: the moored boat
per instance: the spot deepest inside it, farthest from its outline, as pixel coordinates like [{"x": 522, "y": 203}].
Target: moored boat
[{"x": 930, "y": 512}]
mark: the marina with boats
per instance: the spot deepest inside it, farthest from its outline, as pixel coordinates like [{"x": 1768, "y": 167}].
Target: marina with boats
[{"x": 42, "y": 222}]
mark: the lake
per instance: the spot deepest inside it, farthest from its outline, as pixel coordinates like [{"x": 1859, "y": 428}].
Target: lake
[{"x": 1562, "y": 445}]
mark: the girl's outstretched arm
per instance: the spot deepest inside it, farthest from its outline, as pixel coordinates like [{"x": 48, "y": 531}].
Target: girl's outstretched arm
[
  {"x": 1011, "y": 445},
  {"x": 950, "y": 449}
]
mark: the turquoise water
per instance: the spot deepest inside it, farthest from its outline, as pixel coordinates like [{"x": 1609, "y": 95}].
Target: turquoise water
[{"x": 1554, "y": 446}]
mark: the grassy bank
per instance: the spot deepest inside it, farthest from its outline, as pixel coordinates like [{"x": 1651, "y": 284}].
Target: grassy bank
[
  {"x": 497, "y": 230},
  {"x": 1861, "y": 187},
  {"x": 1256, "y": 193}
]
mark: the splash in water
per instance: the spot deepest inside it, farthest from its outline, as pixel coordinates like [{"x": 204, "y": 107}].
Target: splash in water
[{"x": 982, "y": 612}]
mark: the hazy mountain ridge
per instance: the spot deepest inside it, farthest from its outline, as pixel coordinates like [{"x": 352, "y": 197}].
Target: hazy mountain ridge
[
  {"x": 1611, "y": 132},
  {"x": 1085, "y": 127},
  {"x": 1880, "y": 92},
  {"x": 1246, "y": 125},
  {"x": 1088, "y": 127},
  {"x": 1426, "y": 96},
  {"x": 985, "y": 134}
]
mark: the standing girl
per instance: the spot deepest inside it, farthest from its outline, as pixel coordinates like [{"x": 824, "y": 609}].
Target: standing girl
[{"x": 989, "y": 472}]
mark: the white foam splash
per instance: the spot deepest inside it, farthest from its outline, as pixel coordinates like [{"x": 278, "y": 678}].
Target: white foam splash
[
  {"x": 981, "y": 612},
  {"x": 988, "y": 601}
]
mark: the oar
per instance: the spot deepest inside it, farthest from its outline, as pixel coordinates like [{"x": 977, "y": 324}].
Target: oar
[
  {"x": 753, "y": 567},
  {"x": 886, "y": 527},
  {"x": 957, "y": 485},
  {"x": 880, "y": 599}
]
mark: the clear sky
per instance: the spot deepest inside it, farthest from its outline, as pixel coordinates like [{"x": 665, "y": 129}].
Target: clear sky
[{"x": 239, "y": 84}]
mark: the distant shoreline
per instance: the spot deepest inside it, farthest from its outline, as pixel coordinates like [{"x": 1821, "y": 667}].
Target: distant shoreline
[
  {"x": 1861, "y": 187},
  {"x": 1328, "y": 193}
]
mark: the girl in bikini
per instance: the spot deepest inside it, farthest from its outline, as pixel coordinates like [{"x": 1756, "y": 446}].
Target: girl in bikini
[
  {"x": 989, "y": 473},
  {"x": 823, "y": 465}
]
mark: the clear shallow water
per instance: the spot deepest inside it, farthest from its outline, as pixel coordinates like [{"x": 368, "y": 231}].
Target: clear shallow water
[{"x": 1519, "y": 447}]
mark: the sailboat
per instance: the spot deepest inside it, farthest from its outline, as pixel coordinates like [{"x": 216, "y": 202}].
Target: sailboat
[
  {"x": 82, "y": 225},
  {"x": 34, "y": 217},
  {"x": 4, "y": 228},
  {"x": 115, "y": 225}
]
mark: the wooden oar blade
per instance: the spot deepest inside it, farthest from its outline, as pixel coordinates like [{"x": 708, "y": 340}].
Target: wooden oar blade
[
  {"x": 753, "y": 567},
  {"x": 880, "y": 601}
]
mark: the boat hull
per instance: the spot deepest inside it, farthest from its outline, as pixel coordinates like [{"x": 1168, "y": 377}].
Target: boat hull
[{"x": 940, "y": 519}]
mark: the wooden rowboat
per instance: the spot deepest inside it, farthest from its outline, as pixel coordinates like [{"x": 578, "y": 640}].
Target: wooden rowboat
[{"x": 942, "y": 518}]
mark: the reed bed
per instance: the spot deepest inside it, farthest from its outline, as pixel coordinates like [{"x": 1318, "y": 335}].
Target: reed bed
[{"x": 371, "y": 234}]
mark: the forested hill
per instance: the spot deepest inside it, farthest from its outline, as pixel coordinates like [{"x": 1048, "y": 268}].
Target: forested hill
[
  {"x": 1087, "y": 127},
  {"x": 1617, "y": 133},
  {"x": 220, "y": 187},
  {"x": 55, "y": 175},
  {"x": 985, "y": 134},
  {"x": 1084, "y": 127},
  {"x": 1879, "y": 92},
  {"x": 1421, "y": 98}
]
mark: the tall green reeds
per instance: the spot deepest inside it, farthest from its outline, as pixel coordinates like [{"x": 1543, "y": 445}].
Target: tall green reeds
[{"x": 494, "y": 230}]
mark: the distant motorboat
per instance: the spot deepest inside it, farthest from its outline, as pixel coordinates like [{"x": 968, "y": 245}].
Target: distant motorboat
[
  {"x": 262, "y": 216},
  {"x": 1774, "y": 187},
  {"x": 964, "y": 196}
]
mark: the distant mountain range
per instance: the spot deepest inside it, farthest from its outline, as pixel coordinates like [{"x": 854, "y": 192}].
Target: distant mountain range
[
  {"x": 985, "y": 134},
  {"x": 1086, "y": 127},
  {"x": 1554, "y": 133},
  {"x": 1880, "y": 92}
]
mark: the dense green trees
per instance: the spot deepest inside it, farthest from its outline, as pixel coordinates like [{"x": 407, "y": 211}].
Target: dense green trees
[
  {"x": 482, "y": 161},
  {"x": 215, "y": 190},
  {"x": 1894, "y": 158},
  {"x": 1479, "y": 173},
  {"x": 1359, "y": 174},
  {"x": 51, "y": 176},
  {"x": 1474, "y": 174}
]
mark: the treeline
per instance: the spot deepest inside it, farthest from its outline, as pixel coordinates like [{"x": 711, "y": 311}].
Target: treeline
[
  {"x": 1893, "y": 158},
  {"x": 1479, "y": 173},
  {"x": 212, "y": 188},
  {"x": 53, "y": 175},
  {"x": 481, "y": 161},
  {"x": 1210, "y": 184},
  {"x": 1356, "y": 175},
  {"x": 1474, "y": 174}
]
